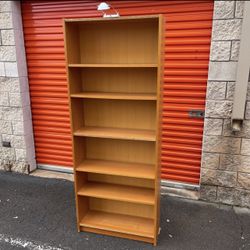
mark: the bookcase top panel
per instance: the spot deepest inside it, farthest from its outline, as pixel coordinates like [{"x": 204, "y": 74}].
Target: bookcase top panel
[{"x": 123, "y": 18}]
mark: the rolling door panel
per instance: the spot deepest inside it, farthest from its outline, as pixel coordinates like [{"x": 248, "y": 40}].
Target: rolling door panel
[{"x": 187, "y": 37}]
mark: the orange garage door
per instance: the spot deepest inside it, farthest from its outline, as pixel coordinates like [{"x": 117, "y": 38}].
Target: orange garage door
[{"x": 186, "y": 54}]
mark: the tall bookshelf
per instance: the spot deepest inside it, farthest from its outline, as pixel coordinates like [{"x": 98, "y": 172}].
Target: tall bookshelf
[{"x": 113, "y": 68}]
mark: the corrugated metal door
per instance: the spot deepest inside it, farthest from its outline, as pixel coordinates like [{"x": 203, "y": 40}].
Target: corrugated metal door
[{"x": 187, "y": 42}]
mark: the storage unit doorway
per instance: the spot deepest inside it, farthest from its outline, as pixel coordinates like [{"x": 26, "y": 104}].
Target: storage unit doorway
[{"x": 187, "y": 35}]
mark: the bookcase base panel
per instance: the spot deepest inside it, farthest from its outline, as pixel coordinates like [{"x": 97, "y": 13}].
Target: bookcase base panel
[
  {"x": 116, "y": 234},
  {"x": 127, "y": 226}
]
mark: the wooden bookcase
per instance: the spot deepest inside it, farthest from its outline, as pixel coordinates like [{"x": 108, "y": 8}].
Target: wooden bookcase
[{"x": 114, "y": 69}]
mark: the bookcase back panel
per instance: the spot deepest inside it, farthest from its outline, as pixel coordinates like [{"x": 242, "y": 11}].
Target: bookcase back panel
[
  {"x": 79, "y": 149},
  {"x": 123, "y": 80},
  {"x": 78, "y": 115},
  {"x": 121, "y": 180},
  {"x": 120, "y": 150},
  {"x": 120, "y": 114},
  {"x": 83, "y": 206},
  {"x": 145, "y": 211},
  {"x": 81, "y": 179},
  {"x": 119, "y": 42},
  {"x": 72, "y": 41},
  {"x": 74, "y": 78}
]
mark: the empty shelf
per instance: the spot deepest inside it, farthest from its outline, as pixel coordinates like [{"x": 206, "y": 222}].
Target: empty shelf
[
  {"x": 115, "y": 96},
  {"x": 119, "y": 223},
  {"x": 136, "y": 170},
  {"x": 117, "y": 133},
  {"x": 111, "y": 65},
  {"x": 118, "y": 192}
]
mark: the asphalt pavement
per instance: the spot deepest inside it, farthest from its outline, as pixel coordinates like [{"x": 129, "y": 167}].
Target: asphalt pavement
[{"x": 39, "y": 214}]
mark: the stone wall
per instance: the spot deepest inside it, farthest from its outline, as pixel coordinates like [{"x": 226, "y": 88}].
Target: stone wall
[
  {"x": 15, "y": 113},
  {"x": 225, "y": 172}
]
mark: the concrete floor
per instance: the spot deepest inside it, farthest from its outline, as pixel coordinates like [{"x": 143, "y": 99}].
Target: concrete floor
[
  {"x": 39, "y": 213},
  {"x": 52, "y": 174}
]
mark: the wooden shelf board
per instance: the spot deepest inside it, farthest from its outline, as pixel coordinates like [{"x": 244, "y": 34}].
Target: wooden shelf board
[
  {"x": 136, "y": 170},
  {"x": 115, "y": 96},
  {"x": 119, "y": 223},
  {"x": 117, "y": 133},
  {"x": 118, "y": 192},
  {"x": 112, "y": 65}
]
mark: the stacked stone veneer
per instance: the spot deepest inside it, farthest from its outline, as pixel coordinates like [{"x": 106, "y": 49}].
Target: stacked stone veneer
[
  {"x": 225, "y": 172},
  {"x": 15, "y": 113}
]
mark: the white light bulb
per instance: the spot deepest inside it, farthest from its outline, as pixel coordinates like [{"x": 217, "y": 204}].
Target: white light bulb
[{"x": 103, "y": 6}]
